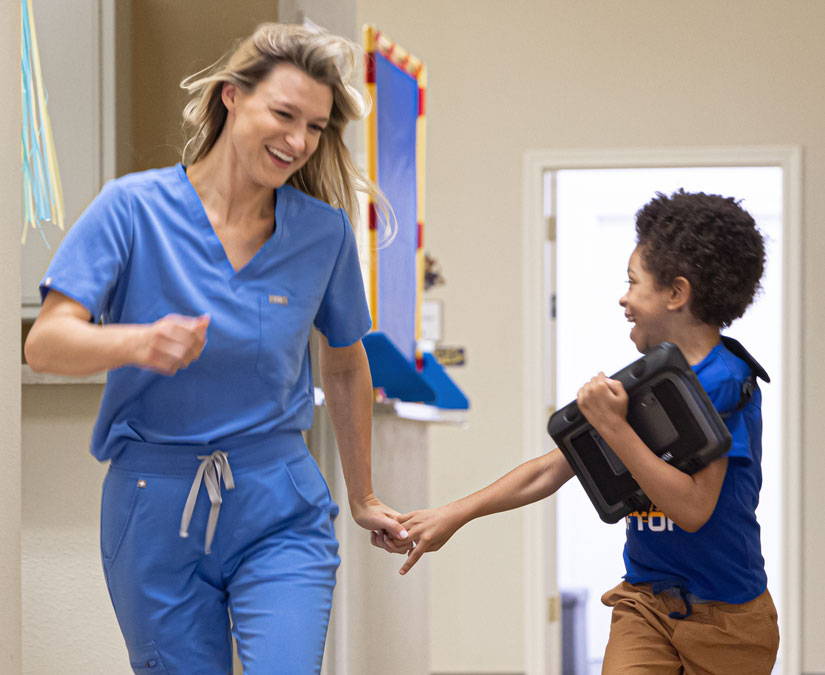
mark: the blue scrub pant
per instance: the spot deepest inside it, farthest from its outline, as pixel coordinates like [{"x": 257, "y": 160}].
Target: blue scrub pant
[{"x": 271, "y": 568}]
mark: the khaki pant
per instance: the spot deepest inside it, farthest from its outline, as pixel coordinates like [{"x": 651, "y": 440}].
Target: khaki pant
[{"x": 718, "y": 638}]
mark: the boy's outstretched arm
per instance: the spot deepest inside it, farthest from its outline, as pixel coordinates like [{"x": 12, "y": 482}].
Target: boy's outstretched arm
[
  {"x": 688, "y": 500},
  {"x": 536, "y": 479}
]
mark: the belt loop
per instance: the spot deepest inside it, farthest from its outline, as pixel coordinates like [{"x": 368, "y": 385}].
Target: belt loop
[{"x": 210, "y": 471}]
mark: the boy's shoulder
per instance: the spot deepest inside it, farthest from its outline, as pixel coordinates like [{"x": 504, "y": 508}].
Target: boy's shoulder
[{"x": 722, "y": 374}]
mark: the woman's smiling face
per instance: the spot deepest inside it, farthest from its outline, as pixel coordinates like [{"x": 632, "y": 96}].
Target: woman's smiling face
[{"x": 276, "y": 127}]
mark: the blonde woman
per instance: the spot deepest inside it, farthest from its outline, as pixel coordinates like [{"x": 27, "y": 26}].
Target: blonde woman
[{"x": 196, "y": 286}]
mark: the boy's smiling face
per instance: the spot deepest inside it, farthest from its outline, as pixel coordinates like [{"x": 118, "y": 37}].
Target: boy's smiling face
[{"x": 645, "y": 305}]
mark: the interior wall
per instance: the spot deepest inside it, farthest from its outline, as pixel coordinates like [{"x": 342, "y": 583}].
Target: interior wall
[
  {"x": 337, "y": 17},
  {"x": 62, "y": 575},
  {"x": 171, "y": 40},
  {"x": 10, "y": 191},
  {"x": 508, "y": 77},
  {"x": 123, "y": 87}
]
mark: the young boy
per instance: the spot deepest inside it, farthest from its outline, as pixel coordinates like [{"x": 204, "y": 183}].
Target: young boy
[{"x": 694, "y": 598}]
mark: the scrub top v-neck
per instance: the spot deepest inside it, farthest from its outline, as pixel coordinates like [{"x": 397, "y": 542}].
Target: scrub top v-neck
[
  {"x": 145, "y": 248},
  {"x": 215, "y": 246}
]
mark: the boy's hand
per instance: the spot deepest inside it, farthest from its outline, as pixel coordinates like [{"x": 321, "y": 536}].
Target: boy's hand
[
  {"x": 603, "y": 401},
  {"x": 430, "y": 529}
]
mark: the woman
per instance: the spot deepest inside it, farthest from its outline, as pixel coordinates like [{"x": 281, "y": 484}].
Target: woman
[{"x": 197, "y": 286}]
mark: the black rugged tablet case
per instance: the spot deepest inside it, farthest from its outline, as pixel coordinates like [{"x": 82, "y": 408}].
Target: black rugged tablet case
[{"x": 669, "y": 410}]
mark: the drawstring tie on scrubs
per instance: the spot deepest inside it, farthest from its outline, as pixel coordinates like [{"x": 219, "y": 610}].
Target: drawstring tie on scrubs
[{"x": 212, "y": 468}]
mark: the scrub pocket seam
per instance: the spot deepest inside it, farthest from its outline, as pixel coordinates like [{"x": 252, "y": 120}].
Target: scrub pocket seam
[
  {"x": 267, "y": 364},
  {"x": 148, "y": 660},
  {"x": 301, "y": 492},
  {"x": 127, "y": 521}
]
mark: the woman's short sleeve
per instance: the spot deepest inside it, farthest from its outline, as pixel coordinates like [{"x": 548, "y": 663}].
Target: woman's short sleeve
[
  {"x": 343, "y": 316},
  {"x": 94, "y": 253}
]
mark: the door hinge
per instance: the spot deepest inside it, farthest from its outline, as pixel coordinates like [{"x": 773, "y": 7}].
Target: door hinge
[
  {"x": 553, "y": 609},
  {"x": 551, "y": 228}
]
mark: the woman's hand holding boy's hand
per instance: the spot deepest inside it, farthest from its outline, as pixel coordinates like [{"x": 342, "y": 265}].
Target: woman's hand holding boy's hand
[
  {"x": 603, "y": 402},
  {"x": 382, "y": 521},
  {"x": 430, "y": 529}
]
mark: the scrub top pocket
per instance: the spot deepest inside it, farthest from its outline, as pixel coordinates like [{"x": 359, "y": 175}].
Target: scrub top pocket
[{"x": 285, "y": 322}]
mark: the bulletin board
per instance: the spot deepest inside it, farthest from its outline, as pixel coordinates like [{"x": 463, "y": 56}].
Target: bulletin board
[{"x": 396, "y": 81}]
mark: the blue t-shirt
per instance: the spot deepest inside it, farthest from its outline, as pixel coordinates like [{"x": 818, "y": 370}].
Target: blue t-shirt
[
  {"x": 722, "y": 560},
  {"x": 145, "y": 248}
]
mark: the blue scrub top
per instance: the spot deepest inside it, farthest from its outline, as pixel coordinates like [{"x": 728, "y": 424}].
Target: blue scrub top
[
  {"x": 723, "y": 559},
  {"x": 145, "y": 248}
]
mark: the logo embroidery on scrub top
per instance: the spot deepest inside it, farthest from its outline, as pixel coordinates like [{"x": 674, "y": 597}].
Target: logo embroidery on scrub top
[{"x": 278, "y": 300}]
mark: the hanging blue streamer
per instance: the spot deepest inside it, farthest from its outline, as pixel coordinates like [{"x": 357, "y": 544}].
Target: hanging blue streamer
[{"x": 42, "y": 193}]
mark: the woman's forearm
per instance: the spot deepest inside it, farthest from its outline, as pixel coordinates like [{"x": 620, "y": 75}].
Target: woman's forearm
[
  {"x": 345, "y": 377},
  {"x": 63, "y": 341},
  {"x": 68, "y": 345}
]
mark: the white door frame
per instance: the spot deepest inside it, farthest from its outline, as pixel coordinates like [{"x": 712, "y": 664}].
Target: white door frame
[{"x": 540, "y": 520}]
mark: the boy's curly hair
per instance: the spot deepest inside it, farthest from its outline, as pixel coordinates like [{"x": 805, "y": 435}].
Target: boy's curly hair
[{"x": 712, "y": 242}]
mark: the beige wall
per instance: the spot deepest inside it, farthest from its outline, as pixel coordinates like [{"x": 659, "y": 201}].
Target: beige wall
[
  {"x": 171, "y": 40},
  {"x": 65, "y": 603},
  {"x": 10, "y": 190},
  {"x": 508, "y": 77}
]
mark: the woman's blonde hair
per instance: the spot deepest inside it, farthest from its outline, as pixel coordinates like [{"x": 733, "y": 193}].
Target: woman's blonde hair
[{"x": 330, "y": 174}]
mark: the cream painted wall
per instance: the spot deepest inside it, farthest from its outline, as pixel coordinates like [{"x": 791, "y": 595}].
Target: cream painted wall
[
  {"x": 170, "y": 40},
  {"x": 10, "y": 191},
  {"x": 508, "y": 77},
  {"x": 65, "y": 603}
]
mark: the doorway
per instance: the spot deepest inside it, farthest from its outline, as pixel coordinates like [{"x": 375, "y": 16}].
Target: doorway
[{"x": 587, "y": 212}]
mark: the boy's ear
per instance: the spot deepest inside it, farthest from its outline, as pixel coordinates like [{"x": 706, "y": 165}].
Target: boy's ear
[{"x": 680, "y": 292}]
